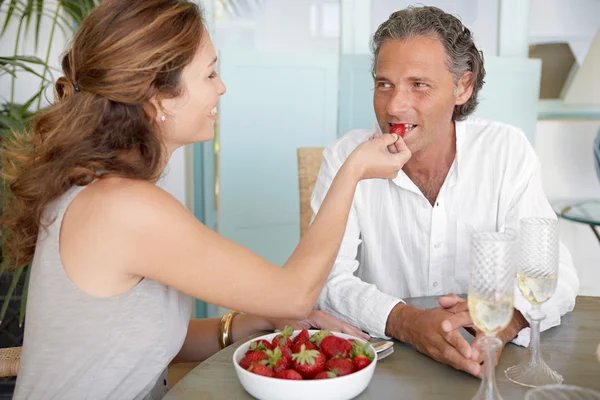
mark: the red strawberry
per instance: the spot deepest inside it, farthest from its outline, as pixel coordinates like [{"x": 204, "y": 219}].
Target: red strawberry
[
  {"x": 309, "y": 346},
  {"x": 398, "y": 129},
  {"x": 308, "y": 362},
  {"x": 283, "y": 339},
  {"x": 317, "y": 337},
  {"x": 300, "y": 338},
  {"x": 325, "y": 375},
  {"x": 361, "y": 358},
  {"x": 289, "y": 374},
  {"x": 253, "y": 357},
  {"x": 277, "y": 361},
  {"x": 260, "y": 369},
  {"x": 361, "y": 362},
  {"x": 334, "y": 346},
  {"x": 342, "y": 366},
  {"x": 286, "y": 353},
  {"x": 256, "y": 345}
]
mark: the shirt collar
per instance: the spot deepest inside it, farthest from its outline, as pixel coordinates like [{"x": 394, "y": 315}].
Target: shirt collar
[{"x": 405, "y": 182}]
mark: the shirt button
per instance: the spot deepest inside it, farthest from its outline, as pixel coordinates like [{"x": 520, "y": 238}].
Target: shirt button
[
  {"x": 435, "y": 284},
  {"x": 436, "y": 246}
]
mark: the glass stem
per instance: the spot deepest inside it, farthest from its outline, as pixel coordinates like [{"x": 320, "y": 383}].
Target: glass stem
[
  {"x": 489, "y": 377},
  {"x": 488, "y": 389},
  {"x": 536, "y": 314}
]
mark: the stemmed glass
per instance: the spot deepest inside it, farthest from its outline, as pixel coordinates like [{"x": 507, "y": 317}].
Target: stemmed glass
[
  {"x": 562, "y": 392},
  {"x": 491, "y": 297},
  {"x": 536, "y": 277}
]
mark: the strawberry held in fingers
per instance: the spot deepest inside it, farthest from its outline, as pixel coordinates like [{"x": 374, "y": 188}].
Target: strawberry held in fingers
[
  {"x": 308, "y": 362},
  {"x": 398, "y": 129}
]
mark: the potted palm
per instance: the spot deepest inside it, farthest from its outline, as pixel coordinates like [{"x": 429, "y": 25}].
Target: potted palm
[{"x": 29, "y": 20}]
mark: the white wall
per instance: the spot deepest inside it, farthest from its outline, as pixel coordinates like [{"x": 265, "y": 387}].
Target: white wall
[
  {"x": 178, "y": 173},
  {"x": 566, "y": 157},
  {"x": 565, "y": 146}
]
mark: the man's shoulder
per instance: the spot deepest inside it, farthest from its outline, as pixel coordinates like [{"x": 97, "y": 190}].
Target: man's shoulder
[
  {"x": 491, "y": 129},
  {"x": 341, "y": 148},
  {"x": 491, "y": 136}
]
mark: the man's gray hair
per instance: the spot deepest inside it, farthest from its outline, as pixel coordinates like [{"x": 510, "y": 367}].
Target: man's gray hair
[{"x": 429, "y": 21}]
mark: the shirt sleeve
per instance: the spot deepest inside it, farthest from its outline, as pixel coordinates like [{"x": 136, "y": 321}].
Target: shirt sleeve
[{"x": 346, "y": 296}]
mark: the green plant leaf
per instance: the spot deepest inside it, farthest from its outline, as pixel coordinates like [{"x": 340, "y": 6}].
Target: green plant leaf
[
  {"x": 27, "y": 11},
  {"x": 3, "y": 268},
  {"x": 24, "y": 110},
  {"x": 24, "y": 297},
  {"x": 39, "y": 10},
  {"x": 11, "y": 289},
  {"x": 21, "y": 62},
  {"x": 11, "y": 9}
]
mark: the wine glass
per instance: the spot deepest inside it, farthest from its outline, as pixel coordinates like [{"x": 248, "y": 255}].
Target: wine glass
[
  {"x": 562, "y": 392},
  {"x": 536, "y": 278},
  {"x": 491, "y": 297}
]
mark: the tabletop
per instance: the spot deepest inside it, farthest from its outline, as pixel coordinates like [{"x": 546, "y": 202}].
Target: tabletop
[{"x": 570, "y": 349}]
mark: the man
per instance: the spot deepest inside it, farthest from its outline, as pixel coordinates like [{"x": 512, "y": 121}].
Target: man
[{"x": 409, "y": 236}]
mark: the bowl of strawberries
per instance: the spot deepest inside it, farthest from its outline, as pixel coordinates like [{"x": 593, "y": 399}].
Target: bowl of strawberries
[{"x": 303, "y": 364}]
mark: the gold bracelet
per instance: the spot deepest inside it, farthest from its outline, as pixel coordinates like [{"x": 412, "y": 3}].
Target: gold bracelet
[{"x": 225, "y": 337}]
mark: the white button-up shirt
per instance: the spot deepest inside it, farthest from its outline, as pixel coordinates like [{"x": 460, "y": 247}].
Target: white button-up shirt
[{"x": 397, "y": 245}]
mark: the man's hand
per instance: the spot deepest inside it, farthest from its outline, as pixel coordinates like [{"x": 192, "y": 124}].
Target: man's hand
[
  {"x": 424, "y": 332},
  {"x": 321, "y": 320},
  {"x": 461, "y": 318}
]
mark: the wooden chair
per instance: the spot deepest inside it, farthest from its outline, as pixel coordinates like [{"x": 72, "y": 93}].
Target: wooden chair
[
  {"x": 9, "y": 361},
  {"x": 309, "y": 163}
]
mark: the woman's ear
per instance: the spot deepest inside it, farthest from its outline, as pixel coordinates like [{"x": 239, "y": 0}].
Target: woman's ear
[{"x": 154, "y": 110}]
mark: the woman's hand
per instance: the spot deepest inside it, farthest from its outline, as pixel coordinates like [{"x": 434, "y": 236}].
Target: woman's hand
[
  {"x": 321, "y": 320},
  {"x": 379, "y": 157}
]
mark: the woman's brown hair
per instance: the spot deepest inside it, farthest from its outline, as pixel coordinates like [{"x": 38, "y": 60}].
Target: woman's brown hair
[{"x": 124, "y": 54}]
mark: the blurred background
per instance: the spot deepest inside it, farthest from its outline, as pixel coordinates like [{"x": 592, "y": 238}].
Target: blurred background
[{"x": 298, "y": 75}]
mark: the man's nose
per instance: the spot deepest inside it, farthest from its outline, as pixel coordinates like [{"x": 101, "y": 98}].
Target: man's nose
[{"x": 399, "y": 103}]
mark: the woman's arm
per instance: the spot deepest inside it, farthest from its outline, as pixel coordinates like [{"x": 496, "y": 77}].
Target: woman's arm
[{"x": 138, "y": 230}]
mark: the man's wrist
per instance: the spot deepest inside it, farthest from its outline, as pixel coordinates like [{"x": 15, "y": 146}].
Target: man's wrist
[
  {"x": 517, "y": 323},
  {"x": 397, "y": 326}
]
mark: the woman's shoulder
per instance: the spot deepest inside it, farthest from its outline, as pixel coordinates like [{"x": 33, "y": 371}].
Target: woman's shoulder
[{"x": 124, "y": 200}]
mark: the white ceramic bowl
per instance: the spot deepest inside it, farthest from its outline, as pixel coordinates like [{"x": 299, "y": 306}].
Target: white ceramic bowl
[{"x": 340, "y": 388}]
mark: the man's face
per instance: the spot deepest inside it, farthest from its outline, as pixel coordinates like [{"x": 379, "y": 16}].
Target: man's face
[{"x": 413, "y": 85}]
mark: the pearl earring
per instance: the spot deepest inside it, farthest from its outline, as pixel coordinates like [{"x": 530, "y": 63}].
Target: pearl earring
[{"x": 163, "y": 118}]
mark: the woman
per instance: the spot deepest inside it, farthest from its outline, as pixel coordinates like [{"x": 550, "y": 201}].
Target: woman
[{"x": 115, "y": 260}]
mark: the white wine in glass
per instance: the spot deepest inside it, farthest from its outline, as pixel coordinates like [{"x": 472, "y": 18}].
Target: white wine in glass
[
  {"x": 536, "y": 278},
  {"x": 537, "y": 289},
  {"x": 492, "y": 272}
]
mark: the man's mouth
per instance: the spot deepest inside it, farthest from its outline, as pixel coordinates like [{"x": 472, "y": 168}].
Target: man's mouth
[{"x": 408, "y": 127}]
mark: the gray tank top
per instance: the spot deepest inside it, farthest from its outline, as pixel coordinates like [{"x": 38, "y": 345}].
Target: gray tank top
[{"x": 78, "y": 346}]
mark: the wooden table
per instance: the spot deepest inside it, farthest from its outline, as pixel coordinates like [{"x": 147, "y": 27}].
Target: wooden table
[{"x": 570, "y": 349}]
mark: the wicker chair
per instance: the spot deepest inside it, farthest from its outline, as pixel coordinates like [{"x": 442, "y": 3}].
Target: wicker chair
[
  {"x": 309, "y": 162},
  {"x": 9, "y": 361}
]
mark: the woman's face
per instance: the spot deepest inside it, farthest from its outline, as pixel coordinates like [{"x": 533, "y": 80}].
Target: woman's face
[{"x": 190, "y": 117}]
